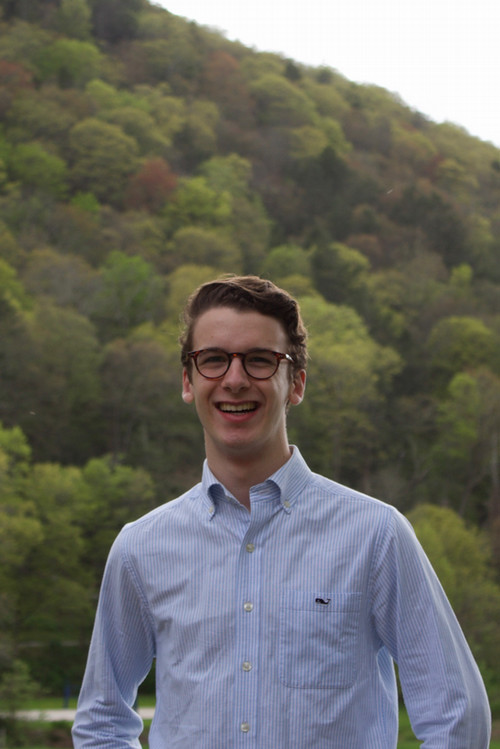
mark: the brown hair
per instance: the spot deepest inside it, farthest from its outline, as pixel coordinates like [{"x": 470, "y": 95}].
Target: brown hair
[{"x": 253, "y": 294}]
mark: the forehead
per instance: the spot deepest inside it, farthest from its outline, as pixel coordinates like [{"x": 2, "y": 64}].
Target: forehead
[{"x": 232, "y": 329}]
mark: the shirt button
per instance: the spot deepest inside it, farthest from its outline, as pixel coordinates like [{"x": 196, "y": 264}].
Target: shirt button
[
  {"x": 246, "y": 666},
  {"x": 248, "y": 606},
  {"x": 211, "y": 510},
  {"x": 250, "y": 548},
  {"x": 245, "y": 727},
  {"x": 286, "y": 504}
]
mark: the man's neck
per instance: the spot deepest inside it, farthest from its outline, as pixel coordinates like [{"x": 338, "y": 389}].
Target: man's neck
[{"x": 239, "y": 474}]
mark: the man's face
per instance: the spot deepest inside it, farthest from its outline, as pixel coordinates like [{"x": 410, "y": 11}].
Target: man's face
[{"x": 243, "y": 418}]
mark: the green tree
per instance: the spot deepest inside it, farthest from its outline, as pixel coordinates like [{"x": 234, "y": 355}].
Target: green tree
[
  {"x": 102, "y": 158},
  {"x": 171, "y": 50},
  {"x": 248, "y": 223},
  {"x": 462, "y": 560},
  {"x": 250, "y": 227},
  {"x": 228, "y": 173},
  {"x": 466, "y": 452},
  {"x": 198, "y": 245},
  {"x": 129, "y": 293},
  {"x": 69, "y": 62},
  {"x": 105, "y": 97},
  {"x": 196, "y": 203},
  {"x": 286, "y": 260},
  {"x": 197, "y": 139},
  {"x": 17, "y": 687},
  {"x": 327, "y": 98},
  {"x": 64, "y": 384},
  {"x": 459, "y": 342},
  {"x": 115, "y": 495},
  {"x": 10, "y": 252},
  {"x": 73, "y": 19},
  {"x": 280, "y": 102},
  {"x": 36, "y": 169},
  {"x": 141, "y": 126},
  {"x": 169, "y": 112},
  {"x": 424, "y": 207},
  {"x": 141, "y": 387},
  {"x": 40, "y": 117},
  {"x": 410, "y": 146},
  {"x": 307, "y": 142},
  {"x": 13, "y": 297},
  {"x": 20, "y": 530},
  {"x": 68, "y": 279},
  {"x": 50, "y": 384},
  {"x": 349, "y": 378},
  {"x": 340, "y": 272},
  {"x": 181, "y": 283},
  {"x": 24, "y": 42},
  {"x": 115, "y": 20},
  {"x": 53, "y": 601}
]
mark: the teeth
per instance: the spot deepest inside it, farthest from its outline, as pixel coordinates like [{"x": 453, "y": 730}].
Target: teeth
[{"x": 237, "y": 407}]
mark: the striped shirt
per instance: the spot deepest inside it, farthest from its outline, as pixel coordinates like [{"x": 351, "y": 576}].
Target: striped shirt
[{"x": 277, "y": 629}]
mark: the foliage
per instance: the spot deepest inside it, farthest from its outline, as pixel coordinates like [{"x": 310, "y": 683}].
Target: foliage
[
  {"x": 34, "y": 168},
  {"x": 279, "y": 102},
  {"x": 16, "y": 689},
  {"x": 350, "y": 372},
  {"x": 102, "y": 157},
  {"x": 195, "y": 203},
  {"x": 129, "y": 293},
  {"x": 73, "y": 19},
  {"x": 461, "y": 558},
  {"x": 70, "y": 62}
]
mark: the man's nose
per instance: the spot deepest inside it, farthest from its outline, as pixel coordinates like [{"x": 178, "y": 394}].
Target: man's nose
[{"x": 236, "y": 375}]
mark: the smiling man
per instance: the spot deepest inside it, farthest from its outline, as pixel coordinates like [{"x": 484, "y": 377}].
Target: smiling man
[
  {"x": 274, "y": 601},
  {"x": 241, "y": 400}
]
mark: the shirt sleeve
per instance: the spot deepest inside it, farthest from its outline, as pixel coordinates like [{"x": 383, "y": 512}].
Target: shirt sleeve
[
  {"x": 442, "y": 687},
  {"x": 120, "y": 656}
]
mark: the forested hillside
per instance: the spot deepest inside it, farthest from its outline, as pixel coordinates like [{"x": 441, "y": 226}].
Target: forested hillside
[{"x": 140, "y": 155}]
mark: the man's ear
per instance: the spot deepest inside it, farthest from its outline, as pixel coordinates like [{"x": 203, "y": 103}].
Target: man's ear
[
  {"x": 187, "y": 387},
  {"x": 297, "y": 388}
]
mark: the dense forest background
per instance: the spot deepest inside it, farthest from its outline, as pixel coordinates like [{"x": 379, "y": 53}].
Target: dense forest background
[{"x": 141, "y": 155}]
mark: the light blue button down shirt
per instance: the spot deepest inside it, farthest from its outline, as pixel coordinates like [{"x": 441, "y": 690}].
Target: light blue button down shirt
[{"x": 277, "y": 629}]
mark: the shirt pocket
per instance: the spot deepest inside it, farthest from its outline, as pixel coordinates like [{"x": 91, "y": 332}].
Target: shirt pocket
[{"x": 318, "y": 639}]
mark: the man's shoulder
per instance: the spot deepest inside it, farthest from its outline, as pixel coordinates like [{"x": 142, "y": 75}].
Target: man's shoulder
[
  {"x": 353, "y": 500},
  {"x": 170, "y": 512}
]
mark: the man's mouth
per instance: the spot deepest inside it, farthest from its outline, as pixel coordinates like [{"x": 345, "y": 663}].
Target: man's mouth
[{"x": 237, "y": 408}]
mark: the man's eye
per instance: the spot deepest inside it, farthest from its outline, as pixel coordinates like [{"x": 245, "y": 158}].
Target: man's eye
[
  {"x": 260, "y": 358},
  {"x": 213, "y": 358}
]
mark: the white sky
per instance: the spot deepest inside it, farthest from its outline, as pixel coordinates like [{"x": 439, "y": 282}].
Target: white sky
[{"x": 441, "y": 56}]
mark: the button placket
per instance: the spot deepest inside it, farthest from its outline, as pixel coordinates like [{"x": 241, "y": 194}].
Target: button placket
[{"x": 247, "y": 633}]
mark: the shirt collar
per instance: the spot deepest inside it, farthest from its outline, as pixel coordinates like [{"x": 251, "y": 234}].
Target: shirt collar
[{"x": 284, "y": 486}]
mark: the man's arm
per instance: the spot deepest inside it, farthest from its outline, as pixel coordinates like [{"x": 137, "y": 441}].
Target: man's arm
[
  {"x": 442, "y": 687},
  {"x": 120, "y": 657}
]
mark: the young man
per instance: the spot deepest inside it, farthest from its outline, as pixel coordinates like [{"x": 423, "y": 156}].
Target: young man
[{"x": 274, "y": 600}]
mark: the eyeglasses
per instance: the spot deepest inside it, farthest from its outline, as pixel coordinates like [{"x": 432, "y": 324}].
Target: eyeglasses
[{"x": 260, "y": 364}]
